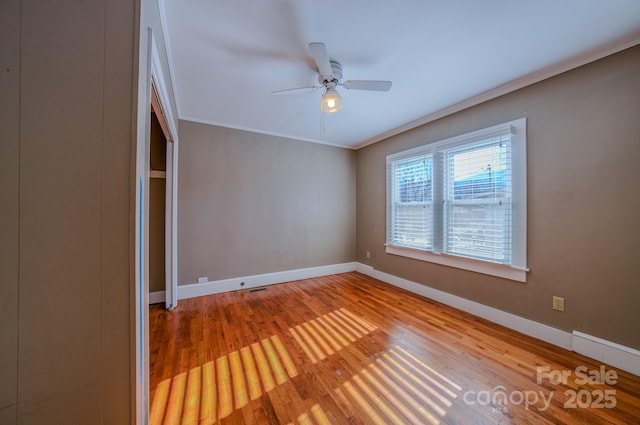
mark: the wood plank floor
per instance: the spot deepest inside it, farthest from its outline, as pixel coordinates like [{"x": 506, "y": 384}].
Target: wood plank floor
[{"x": 348, "y": 349}]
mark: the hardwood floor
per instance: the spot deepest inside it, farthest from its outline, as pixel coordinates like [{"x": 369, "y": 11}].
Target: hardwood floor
[{"x": 348, "y": 349}]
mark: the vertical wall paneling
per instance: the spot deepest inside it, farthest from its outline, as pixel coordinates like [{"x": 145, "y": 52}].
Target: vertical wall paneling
[{"x": 9, "y": 205}]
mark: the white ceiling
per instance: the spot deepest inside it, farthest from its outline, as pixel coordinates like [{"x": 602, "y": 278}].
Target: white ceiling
[{"x": 227, "y": 56}]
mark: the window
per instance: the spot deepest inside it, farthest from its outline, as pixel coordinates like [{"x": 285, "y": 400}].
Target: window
[
  {"x": 462, "y": 201},
  {"x": 412, "y": 202}
]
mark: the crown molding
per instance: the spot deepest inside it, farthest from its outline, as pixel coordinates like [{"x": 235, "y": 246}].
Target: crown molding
[{"x": 519, "y": 83}]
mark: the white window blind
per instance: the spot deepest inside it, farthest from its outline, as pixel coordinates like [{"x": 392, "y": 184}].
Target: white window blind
[
  {"x": 477, "y": 199},
  {"x": 462, "y": 201},
  {"x": 411, "y": 202}
]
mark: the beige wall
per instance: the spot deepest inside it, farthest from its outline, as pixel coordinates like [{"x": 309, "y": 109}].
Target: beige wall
[
  {"x": 250, "y": 204},
  {"x": 583, "y": 201},
  {"x": 66, "y": 111}
]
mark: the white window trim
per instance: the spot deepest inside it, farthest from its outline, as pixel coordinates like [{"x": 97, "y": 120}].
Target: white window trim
[
  {"x": 518, "y": 270},
  {"x": 471, "y": 264}
]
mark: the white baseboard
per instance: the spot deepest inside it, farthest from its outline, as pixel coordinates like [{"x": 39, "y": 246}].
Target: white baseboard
[
  {"x": 520, "y": 324},
  {"x": 215, "y": 287},
  {"x": 156, "y": 297},
  {"x": 617, "y": 355},
  {"x": 625, "y": 358}
]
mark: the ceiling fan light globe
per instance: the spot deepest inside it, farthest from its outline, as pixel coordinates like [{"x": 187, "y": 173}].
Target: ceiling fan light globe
[{"x": 331, "y": 101}]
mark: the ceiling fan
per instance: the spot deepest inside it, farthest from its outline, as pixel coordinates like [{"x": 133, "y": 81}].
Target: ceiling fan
[{"x": 330, "y": 76}]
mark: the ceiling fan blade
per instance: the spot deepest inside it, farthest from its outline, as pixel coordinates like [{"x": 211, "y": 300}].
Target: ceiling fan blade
[
  {"x": 296, "y": 90},
  {"x": 373, "y": 85},
  {"x": 320, "y": 55}
]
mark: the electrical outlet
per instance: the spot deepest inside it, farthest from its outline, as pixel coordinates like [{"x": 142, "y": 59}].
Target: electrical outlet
[
  {"x": 203, "y": 279},
  {"x": 558, "y": 303},
  {"x": 368, "y": 254}
]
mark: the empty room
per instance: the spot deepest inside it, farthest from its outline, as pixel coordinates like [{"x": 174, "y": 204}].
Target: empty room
[{"x": 290, "y": 212}]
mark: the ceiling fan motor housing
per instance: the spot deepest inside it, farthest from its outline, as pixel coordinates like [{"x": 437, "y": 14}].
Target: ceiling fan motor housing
[{"x": 334, "y": 79}]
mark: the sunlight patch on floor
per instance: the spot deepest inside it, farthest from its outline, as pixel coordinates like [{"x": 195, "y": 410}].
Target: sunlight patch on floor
[
  {"x": 317, "y": 417},
  {"x": 204, "y": 394},
  {"x": 325, "y": 335},
  {"x": 398, "y": 388}
]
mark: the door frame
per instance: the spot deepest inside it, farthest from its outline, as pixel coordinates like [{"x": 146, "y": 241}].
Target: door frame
[{"x": 150, "y": 77}]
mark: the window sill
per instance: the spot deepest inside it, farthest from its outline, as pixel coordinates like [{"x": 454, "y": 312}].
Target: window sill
[{"x": 478, "y": 266}]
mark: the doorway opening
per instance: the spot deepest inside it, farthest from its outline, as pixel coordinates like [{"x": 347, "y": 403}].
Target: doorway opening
[
  {"x": 157, "y": 211},
  {"x": 163, "y": 198}
]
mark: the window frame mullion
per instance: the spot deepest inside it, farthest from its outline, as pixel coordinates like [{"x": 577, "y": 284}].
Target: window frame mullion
[{"x": 437, "y": 209}]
